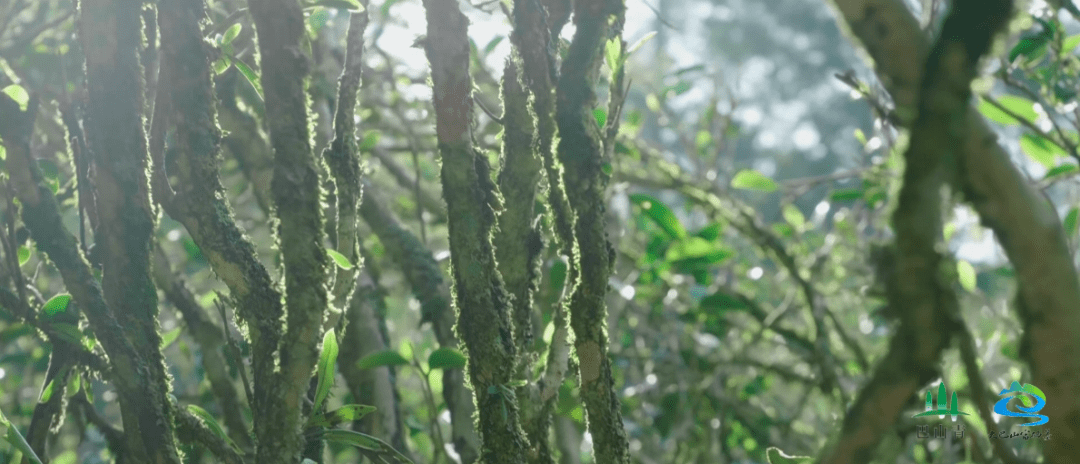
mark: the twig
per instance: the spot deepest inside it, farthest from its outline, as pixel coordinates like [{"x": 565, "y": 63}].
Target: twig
[{"x": 234, "y": 351}]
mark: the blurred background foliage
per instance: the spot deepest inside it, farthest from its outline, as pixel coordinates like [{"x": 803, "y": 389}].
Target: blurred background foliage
[{"x": 754, "y": 175}]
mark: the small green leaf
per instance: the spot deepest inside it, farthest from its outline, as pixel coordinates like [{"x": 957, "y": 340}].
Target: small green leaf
[
  {"x": 557, "y": 276},
  {"x": 966, "y": 274},
  {"x": 49, "y": 169},
  {"x": 371, "y": 138},
  {"x": 212, "y": 424},
  {"x": 1070, "y": 43},
  {"x": 327, "y": 362},
  {"x": 490, "y": 47},
  {"x": 606, "y": 168},
  {"x": 1061, "y": 170},
  {"x": 861, "y": 137},
  {"x": 749, "y": 179},
  {"x": 231, "y": 33},
  {"x": 847, "y": 194},
  {"x": 1041, "y": 150},
  {"x": 775, "y": 456},
  {"x": 793, "y": 216},
  {"x": 613, "y": 54},
  {"x": 24, "y": 255},
  {"x": 721, "y": 301},
  {"x": 696, "y": 248},
  {"x": 660, "y": 214},
  {"x": 601, "y": 116},
  {"x": 221, "y": 65},
  {"x": 1070, "y": 222},
  {"x": 642, "y": 41},
  {"x": 47, "y": 392},
  {"x": 169, "y": 337},
  {"x": 1018, "y": 105},
  {"x": 446, "y": 358},
  {"x": 250, "y": 76},
  {"x": 19, "y": 94},
  {"x": 350, "y": 5},
  {"x": 382, "y": 358},
  {"x": 339, "y": 259},
  {"x": 56, "y": 305},
  {"x": 710, "y": 232},
  {"x": 347, "y": 413},
  {"x": 74, "y": 385},
  {"x": 357, "y": 439}
]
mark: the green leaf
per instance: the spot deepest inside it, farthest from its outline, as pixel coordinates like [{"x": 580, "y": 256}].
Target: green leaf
[
  {"x": 74, "y": 385},
  {"x": 250, "y": 76},
  {"x": 48, "y": 169},
  {"x": 339, "y": 259},
  {"x": 749, "y": 179},
  {"x": 1020, "y": 106},
  {"x": 1041, "y": 150},
  {"x": 601, "y": 116},
  {"x": 1070, "y": 222},
  {"x": 350, "y": 5},
  {"x": 19, "y": 94},
  {"x": 613, "y": 54},
  {"x": 327, "y": 362},
  {"x": 221, "y": 65},
  {"x": 696, "y": 251},
  {"x": 347, "y": 413},
  {"x": 721, "y": 301},
  {"x": 382, "y": 358},
  {"x": 1070, "y": 43},
  {"x": 660, "y": 214},
  {"x": 710, "y": 232},
  {"x": 847, "y": 194},
  {"x": 793, "y": 216},
  {"x": 642, "y": 41},
  {"x": 861, "y": 137},
  {"x": 231, "y": 33},
  {"x": 56, "y": 305},
  {"x": 17, "y": 440},
  {"x": 212, "y": 424},
  {"x": 775, "y": 456},
  {"x": 966, "y": 274},
  {"x": 24, "y": 255},
  {"x": 371, "y": 138},
  {"x": 1061, "y": 170},
  {"x": 47, "y": 392},
  {"x": 490, "y": 47},
  {"x": 357, "y": 439},
  {"x": 169, "y": 337},
  {"x": 557, "y": 276},
  {"x": 446, "y": 358}
]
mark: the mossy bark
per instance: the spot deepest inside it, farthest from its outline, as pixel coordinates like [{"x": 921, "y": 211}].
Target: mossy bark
[
  {"x": 297, "y": 194},
  {"x": 344, "y": 161},
  {"x": 484, "y": 321},
  {"x": 111, "y": 33},
  {"x": 518, "y": 241},
  {"x": 919, "y": 293},
  {"x": 581, "y": 152},
  {"x": 142, "y": 402}
]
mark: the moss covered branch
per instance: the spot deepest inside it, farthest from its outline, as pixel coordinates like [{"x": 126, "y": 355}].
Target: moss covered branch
[
  {"x": 111, "y": 34},
  {"x": 581, "y": 152},
  {"x": 41, "y": 214},
  {"x": 199, "y": 201},
  {"x": 483, "y": 314},
  {"x": 343, "y": 159},
  {"x": 920, "y": 292}
]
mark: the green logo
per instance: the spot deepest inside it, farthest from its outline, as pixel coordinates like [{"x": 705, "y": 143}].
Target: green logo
[{"x": 942, "y": 409}]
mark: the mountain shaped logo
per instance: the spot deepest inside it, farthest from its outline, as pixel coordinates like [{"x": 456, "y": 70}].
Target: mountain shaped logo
[
  {"x": 1028, "y": 409},
  {"x": 951, "y": 409}
]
